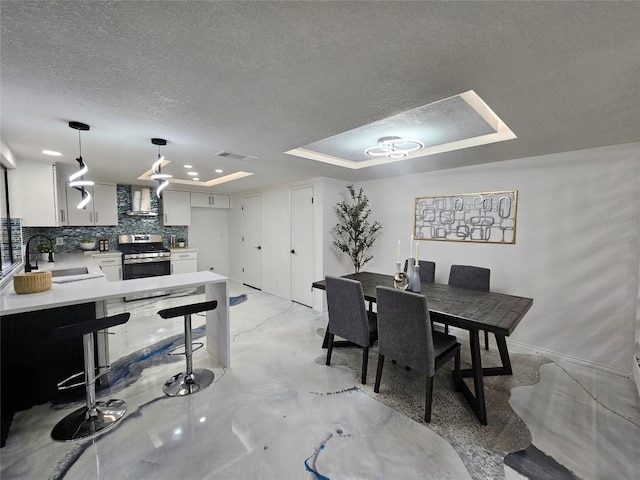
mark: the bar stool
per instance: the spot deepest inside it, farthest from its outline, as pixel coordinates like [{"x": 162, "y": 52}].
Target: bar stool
[
  {"x": 191, "y": 381},
  {"x": 94, "y": 416}
]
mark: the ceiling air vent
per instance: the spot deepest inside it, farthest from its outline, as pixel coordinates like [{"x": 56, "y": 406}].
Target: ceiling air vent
[{"x": 235, "y": 156}]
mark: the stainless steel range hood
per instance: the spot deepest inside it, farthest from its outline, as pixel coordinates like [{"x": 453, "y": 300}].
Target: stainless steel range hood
[{"x": 141, "y": 202}]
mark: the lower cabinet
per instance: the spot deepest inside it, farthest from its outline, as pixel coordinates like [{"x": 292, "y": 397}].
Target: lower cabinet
[
  {"x": 111, "y": 266},
  {"x": 184, "y": 262}
]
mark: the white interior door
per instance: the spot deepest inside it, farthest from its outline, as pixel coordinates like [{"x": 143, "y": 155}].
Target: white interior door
[
  {"x": 252, "y": 241},
  {"x": 302, "y": 271}
]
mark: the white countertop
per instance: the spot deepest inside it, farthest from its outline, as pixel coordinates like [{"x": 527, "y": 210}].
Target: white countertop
[{"x": 94, "y": 289}]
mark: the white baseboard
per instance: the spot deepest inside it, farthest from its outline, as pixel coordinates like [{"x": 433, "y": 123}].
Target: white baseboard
[
  {"x": 570, "y": 358},
  {"x": 550, "y": 354}
]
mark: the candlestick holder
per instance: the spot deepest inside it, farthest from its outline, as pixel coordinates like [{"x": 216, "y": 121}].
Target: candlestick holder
[{"x": 414, "y": 280}]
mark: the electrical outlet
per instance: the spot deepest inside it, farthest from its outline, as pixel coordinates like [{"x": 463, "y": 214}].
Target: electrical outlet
[{"x": 59, "y": 240}]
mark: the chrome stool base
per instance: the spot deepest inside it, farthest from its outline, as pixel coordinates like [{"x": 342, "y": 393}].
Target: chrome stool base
[
  {"x": 184, "y": 384},
  {"x": 76, "y": 425}
]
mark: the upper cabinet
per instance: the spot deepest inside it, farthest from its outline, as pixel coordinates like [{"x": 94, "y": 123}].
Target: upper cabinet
[
  {"x": 101, "y": 210},
  {"x": 210, "y": 200},
  {"x": 176, "y": 207},
  {"x": 62, "y": 210},
  {"x": 37, "y": 198}
]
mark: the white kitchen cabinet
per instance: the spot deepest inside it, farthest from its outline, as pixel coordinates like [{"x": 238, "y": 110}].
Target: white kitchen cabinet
[
  {"x": 62, "y": 208},
  {"x": 210, "y": 200},
  {"x": 101, "y": 210},
  {"x": 176, "y": 207},
  {"x": 36, "y": 198},
  {"x": 184, "y": 261},
  {"x": 111, "y": 265}
]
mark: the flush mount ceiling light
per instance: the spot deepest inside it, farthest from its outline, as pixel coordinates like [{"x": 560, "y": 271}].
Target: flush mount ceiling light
[
  {"x": 156, "y": 168},
  {"x": 394, "y": 147},
  {"x": 454, "y": 123},
  {"x": 76, "y": 180}
]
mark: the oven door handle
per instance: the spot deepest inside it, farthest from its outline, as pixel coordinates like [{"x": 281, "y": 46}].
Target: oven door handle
[{"x": 147, "y": 260}]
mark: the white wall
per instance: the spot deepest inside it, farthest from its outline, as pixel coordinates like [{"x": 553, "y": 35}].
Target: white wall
[{"x": 576, "y": 251}]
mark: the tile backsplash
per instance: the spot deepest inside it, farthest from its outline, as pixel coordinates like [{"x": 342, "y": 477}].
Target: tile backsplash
[{"x": 126, "y": 225}]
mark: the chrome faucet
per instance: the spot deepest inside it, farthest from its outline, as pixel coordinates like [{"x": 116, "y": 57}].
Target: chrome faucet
[{"x": 27, "y": 266}]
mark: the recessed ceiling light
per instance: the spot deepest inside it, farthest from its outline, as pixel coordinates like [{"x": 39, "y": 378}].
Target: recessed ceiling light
[
  {"x": 218, "y": 171},
  {"x": 196, "y": 179},
  {"x": 188, "y": 166},
  {"x": 53, "y": 153},
  {"x": 193, "y": 174}
]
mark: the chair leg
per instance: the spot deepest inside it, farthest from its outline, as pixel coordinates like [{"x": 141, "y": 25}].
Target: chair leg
[
  {"x": 329, "y": 348},
  {"x": 428, "y": 400},
  {"x": 365, "y": 362},
  {"x": 376, "y": 387},
  {"x": 486, "y": 340}
]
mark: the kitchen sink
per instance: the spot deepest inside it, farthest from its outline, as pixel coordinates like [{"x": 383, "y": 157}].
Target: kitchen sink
[{"x": 69, "y": 271}]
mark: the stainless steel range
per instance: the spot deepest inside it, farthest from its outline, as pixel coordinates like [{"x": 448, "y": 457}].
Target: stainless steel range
[{"x": 144, "y": 256}]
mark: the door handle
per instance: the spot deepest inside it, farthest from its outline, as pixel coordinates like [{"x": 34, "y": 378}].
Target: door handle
[
  {"x": 258, "y": 247},
  {"x": 293, "y": 251}
]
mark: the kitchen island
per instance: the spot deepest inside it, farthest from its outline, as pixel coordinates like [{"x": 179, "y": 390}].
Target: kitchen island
[{"x": 28, "y": 374}]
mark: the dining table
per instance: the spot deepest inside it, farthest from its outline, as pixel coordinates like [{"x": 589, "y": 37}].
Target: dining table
[{"x": 471, "y": 310}]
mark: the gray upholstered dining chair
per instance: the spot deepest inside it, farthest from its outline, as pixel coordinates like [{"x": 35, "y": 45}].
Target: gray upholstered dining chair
[
  {"x": 405, "y": 335},
  {"x": 348, "y": 317},
  {"x": 471, "y": 278},
  {"x": 427, "y": 271}
]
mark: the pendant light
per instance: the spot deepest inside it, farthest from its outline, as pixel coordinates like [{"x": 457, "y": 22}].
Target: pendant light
[
  {"x": 76, "y": 180},
  {"x": 156, "y": 168}
]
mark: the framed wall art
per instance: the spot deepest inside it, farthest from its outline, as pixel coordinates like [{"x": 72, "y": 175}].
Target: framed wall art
[{"x": 486, "y": 217}]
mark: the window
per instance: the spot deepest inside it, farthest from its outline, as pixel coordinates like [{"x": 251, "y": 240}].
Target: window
[{"x": 10, "y": 232}]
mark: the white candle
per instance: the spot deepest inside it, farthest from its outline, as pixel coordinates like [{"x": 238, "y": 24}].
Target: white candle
[
  {"x": 417, "y": 253},
  {"x": 411, "y": 247},
  {"x": 398, "y": 251}
]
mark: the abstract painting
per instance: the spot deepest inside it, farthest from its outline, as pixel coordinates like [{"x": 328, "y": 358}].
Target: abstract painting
[{"x": 486, "y": 217}]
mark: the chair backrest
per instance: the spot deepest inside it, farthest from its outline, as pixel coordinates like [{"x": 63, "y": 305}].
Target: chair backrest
[
  {"x": 427, "y": 271},
  {"x": 470, "y": 277},
  {"x": 347, "y": 314},
  {"x": 404, "y": 329}
]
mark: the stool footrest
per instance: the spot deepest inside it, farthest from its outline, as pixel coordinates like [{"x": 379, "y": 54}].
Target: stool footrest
[
  {"x": 198, "y": 346},
  {"x": 63, "y": 384}
]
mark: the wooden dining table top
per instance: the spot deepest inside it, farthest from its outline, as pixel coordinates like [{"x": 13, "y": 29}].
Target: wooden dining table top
[{"x": 469, "y": 309}]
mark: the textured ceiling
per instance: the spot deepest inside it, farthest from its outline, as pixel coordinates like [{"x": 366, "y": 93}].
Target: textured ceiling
[{"x": 262, "y": 78}]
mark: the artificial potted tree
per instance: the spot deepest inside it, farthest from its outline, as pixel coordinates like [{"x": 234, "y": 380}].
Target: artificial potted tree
[{"x": 355, "y": 234}]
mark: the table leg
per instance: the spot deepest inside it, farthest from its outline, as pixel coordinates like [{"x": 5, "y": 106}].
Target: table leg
[
  {"x": 476, "y": 399},
  {"x": 504, "y": 355}
]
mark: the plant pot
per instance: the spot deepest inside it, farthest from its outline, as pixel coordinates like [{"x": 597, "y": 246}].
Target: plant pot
[
  {"x": 44, "y": 257},
  {"x": 181, "y": 244}
]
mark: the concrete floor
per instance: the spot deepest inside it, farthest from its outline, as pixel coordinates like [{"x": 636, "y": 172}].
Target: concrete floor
[{"x": 280, "y": 413}]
